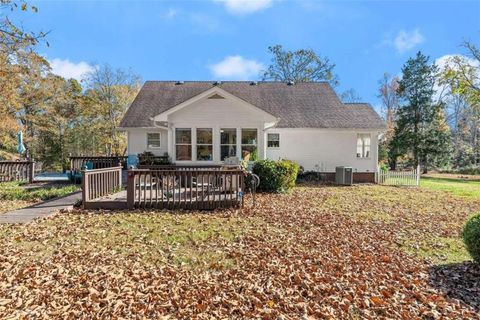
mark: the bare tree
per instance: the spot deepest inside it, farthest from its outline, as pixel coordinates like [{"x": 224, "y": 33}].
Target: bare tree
[
  {"x": 350, "y": 96},
  {"x": 303, "y": 65},
  {"x": 112, "y": 91},
  {"x": 388, "y": 93}
]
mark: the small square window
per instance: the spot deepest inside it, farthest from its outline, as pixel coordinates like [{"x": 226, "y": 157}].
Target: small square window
[
  {"x": 153, "y": 140},
  {"x": 273, "y": 140}
]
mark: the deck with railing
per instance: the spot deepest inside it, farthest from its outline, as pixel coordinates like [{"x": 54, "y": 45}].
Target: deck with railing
[
  {"x": 17, "y": 171},
  {"x": 165, "y": 187}
]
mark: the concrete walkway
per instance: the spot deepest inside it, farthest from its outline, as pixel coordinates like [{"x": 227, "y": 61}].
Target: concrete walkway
[{"x": 40, "y": 210}]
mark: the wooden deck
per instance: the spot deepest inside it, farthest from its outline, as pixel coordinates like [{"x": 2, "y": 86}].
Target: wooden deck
[
  {"x": 192, "y": 189},
  {"x": 118, "y": 201}
]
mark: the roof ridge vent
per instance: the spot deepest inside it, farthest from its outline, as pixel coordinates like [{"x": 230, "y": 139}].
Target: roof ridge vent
[
  {"x": 290, "y": 82},
  {"x": 179, "y": 82},
  {"x": 254, "y": 83},
  {"x": 217, "y": 83}
]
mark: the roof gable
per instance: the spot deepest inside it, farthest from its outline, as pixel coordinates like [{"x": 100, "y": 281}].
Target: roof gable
[{"x": 213, "y": 93}]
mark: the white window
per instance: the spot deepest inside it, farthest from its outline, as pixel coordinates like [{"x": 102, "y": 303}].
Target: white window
[
  {"x": 363, "y": 145},
  {"x": 249, "y": 144},
  {"x": 228, "y": 143},
  {"x": 153, "y": 140},
  {"x": 273, "y": 140},
  {"x": 204, "y": 145},
  {"x": 183, "y": 144}
]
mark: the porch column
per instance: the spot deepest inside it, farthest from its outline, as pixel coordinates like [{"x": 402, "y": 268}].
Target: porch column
[
  {"x": 170, "y": 142},
  {"x": 261, "y": 144},
  {"x": 239, "y": 143}
]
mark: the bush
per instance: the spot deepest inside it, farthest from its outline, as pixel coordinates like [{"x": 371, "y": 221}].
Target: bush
[
  {"x": 276, "y": 176},
  {"x": 474, "y": 170},
  {"x": 384, "y": 166},
  {"x": 471, "y": 237},
  {"x": 148, "y": 158}
]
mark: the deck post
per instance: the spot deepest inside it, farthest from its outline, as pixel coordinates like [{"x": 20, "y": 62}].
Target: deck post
[
  {"x": 85, "y": 189},
  {"x": 131, "y": 189},
  {"x": 31, "y": 171}
]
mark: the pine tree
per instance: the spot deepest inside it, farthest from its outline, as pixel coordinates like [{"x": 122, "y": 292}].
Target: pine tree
[{"x": 419, "y": 128}]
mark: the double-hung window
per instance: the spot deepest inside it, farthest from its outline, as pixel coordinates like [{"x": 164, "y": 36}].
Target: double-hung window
[
  {"x": 273, "y": 140},
  {"x": 204, "y": 144},
  {"x": 363, "y": 145},
  {"x": 153, "y": 140},
  {"x": 249, "y": 144},
  {"x": 183, "y": 144},
  {"x": 228, "y": 143}
]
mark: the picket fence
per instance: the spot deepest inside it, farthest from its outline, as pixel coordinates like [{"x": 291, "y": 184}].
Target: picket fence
[{"x": 399, "y": 178}]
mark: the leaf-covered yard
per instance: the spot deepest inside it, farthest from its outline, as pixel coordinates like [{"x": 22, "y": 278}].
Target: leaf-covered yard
[{"x": 318, "y": 252}]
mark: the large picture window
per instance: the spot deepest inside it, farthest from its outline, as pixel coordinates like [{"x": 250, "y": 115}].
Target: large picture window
[
  {"x": 249, "y": 144},
  {"x": 153, "y": 140},
  {"x": 363, "y": 145},
  {"x": 204, "y": 145},
  {"x": 228, "y": 143},
  {"x": 183, "y": 144}
]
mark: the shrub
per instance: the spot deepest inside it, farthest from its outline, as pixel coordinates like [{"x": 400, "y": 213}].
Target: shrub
[
  {"x": 384, "y": 166},
  {"x": 471, "y": 237},
  {"x": 148, "y": 158},
  {"x": 276, "y": 176}
]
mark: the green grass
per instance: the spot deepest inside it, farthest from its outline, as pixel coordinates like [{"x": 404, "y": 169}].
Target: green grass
[
  {"x": 459, "y": 187},
  {"x": 190, "y": 240},
  {"x": 440, "y": 250},
  {"x": 17, "y": 191}
]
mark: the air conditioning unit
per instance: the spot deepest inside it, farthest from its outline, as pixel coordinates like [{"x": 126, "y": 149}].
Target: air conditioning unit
[{"x": 344, "y": 176}]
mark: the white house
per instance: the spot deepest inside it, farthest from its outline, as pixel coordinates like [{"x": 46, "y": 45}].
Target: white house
[{"x": 201, "y": 122}]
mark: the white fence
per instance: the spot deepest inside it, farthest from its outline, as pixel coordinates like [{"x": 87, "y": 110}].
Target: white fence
[{"x": 399, "y": 178}]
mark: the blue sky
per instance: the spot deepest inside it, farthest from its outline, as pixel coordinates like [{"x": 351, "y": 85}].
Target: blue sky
[{"x": 227, "y": 40}]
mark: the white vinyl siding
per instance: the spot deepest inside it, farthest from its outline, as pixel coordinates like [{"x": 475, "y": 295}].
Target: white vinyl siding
[{"x": 323, "y": 149}]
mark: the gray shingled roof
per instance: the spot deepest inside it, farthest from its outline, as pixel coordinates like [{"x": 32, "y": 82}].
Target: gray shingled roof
[{"x": 302, "y": 105}]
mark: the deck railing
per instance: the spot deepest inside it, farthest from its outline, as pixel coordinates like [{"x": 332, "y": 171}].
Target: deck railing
[
  {"x": 98, "y": 183},
  {"x": 77, "y": 163},
  {"x": 192, "y": 188},
  {"x": 188, "y": 167},
  {"x": 17, "y": 171}
]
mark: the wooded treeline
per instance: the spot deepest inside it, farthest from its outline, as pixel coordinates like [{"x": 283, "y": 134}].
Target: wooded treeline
[
  {"x": 433, "y": 113},
  {"x": 58, "y": 116}
]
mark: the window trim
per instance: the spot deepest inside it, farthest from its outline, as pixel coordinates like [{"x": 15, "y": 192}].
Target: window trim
[
  {"x": 183, "y": 144},
  {"x": 268, "y": 140},
  {"x": 229, "y": 144},
  {"x": 204, "y": 144},
  {"x": 362, "y": 136},
  {"x": 248, "y": 144},
  {"x": 159, "y": 140}
]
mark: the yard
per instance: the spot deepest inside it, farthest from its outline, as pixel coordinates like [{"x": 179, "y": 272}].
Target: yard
[
  {"x": 365, "y": 251},
  {"x": 15, "y": 195}
]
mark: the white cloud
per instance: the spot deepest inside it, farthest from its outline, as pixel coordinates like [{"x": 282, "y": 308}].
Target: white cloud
[
  {"x": 198, "y": 21},
  {"x": 405, "y": 40},
  {"x": 243, "y": 7},
  {"x": 68, "y": 69},
  {"x": 236, "y": 68},
  {"x": 171, "y": 13}
]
